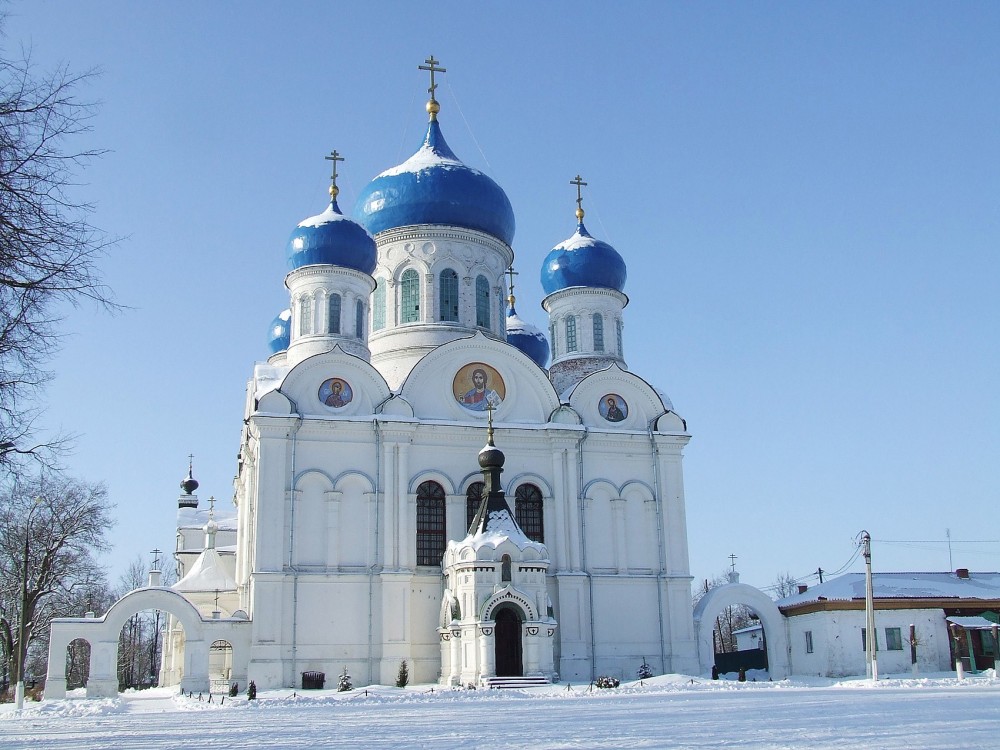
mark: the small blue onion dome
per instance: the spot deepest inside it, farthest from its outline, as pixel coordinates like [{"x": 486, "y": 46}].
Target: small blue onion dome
[
  {"x": 331, "y": 239},
  {"x": 526, "y": 337},
  {"x": 583, "y": 261},
  {"x": 280, "y": 334},
  {"x": 434, "y": 187}
]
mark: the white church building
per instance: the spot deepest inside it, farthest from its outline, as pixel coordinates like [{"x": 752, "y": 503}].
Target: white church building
[{"x": 372, "y": 526}]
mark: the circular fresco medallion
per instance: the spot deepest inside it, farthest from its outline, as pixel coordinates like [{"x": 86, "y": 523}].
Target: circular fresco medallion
[
  {"x": 612, "y": 407},
  {"x": 335, "y": 392},
  {"x": 477, "y": 385}
]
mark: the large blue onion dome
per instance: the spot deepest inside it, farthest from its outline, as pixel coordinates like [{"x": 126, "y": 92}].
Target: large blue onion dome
[
  {"x": 526, "y": 337},
  {"x": 280, "y": 335},
  {"x": 583, "y": 261},
  {"x": 331, "y": 239},
  {"x": 434, "y": 187}
]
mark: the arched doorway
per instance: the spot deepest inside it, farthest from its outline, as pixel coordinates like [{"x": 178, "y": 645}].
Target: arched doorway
[
  {"x": 508, "y": 642},
  {"x": 77, "y": 663},
  {"x": 220, "y": 666}
]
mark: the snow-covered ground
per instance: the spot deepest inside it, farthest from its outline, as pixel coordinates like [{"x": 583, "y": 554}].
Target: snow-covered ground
[{"x": 672, "y": 711}]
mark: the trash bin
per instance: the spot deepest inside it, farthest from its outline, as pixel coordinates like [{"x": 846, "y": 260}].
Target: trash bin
[{"x": 313, "y": 680}]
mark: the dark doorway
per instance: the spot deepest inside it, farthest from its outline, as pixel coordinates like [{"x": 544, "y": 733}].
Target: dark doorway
[{"x": 508, "y": 643}]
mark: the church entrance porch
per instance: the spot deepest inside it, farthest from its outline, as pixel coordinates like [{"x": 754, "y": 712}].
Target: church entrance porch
[{"x": 508, "y": 649}]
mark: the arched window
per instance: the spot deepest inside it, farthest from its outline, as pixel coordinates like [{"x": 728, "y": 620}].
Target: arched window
[
  {"x": 410, "y": 297},
  {"x": 359, "y": 319},
  {"x": 482, "y": 302},
  {"x": 598, "y": 332},
  {"x": 473, "y": 499},
  {"x": 333, "y": 319},
  {"x": 571, "y": 333},
  {"x": 505, "y": 568},
  {"x": 448, "y": 295},
  {"x": 430, "y": 523},
  {"x": 618, "y": 330},
  {"x": 378, "y": 306},
  {"x": 528, "y": 510},
  {"x": 552, "y": 336},
  {"x": 305, "y": 316}
]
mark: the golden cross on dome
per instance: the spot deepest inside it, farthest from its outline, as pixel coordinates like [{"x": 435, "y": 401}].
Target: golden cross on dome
[
  {"x": 431, "y": 65},
  {"x": 334, "y": 157},
  {"x": 511, "y": 273},
  {"x": 580, "y": 184}
]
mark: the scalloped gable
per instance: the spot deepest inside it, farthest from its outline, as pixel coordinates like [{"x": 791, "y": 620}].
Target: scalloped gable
[
  {"x": 529, "y": 399},
  {"x": 302, "y": 385},
  {"x": 644, "y": 402}
]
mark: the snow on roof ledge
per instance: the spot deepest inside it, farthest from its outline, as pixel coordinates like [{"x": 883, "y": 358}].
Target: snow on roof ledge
[{"x": 901, "y": 586}]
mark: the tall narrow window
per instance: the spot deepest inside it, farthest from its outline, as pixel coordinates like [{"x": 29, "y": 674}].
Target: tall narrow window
[
  {"x": 410, "y": 297},
  {"x": 378, "y": 306},
  {"x": 473, "y": 499},
  {"x": 528, "y": 510},
  {"x": 552, "y": 336},
  {"x": 448, "y": 295},
  {"x": 505, "y": 568},
  {"x": 359, "y": 319},
  {"x": 571, "y": 333},
  {"x": 598, "y": 332},
  {"x": 482, "y": 302},
  {"x": 430, "y": 523},
  {"x": 305, "y": 316},
  {"x": 809, "y": 641},
  {"x": 618, "y": 330},
  {"x": 333, "y": 319}
]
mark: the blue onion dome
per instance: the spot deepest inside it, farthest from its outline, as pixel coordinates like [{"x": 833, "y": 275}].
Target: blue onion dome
[
  {"x": 582, "y": 260},
  {"x": 527, "y": 338},
  {"x": 280, "y": 334},
  {"x": 332, "y": 239},
  {"x": 434, "y": 187}
]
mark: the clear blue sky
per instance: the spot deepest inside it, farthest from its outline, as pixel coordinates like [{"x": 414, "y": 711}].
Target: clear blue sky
[{"x": 807, "y": 196}]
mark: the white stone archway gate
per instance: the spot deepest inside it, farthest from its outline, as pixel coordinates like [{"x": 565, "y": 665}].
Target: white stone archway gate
[
  {"x": 711, "y": 605},
  {"x": 102, "y": 633}
]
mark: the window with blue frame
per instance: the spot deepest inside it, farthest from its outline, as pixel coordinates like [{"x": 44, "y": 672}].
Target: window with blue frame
[
  {"x": 571, "y": 334},
  {"x": 448, "y": 295},
  {"x": 333, "y": 317},
  {"x": 305, "y": 316},
  {"x": 482, "y": 302},
  {"x": 378, "y": 306},
  {"x": 409, "y": 297},
  {"x": 598, "y": 332}
]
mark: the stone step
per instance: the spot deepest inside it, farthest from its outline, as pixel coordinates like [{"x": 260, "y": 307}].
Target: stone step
[{"x": 501, "y": 683}]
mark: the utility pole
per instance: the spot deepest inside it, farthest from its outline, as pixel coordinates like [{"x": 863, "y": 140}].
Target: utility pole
[
  {"x": 819, "y": 571},
  {"x": 951, "y": 565},
  {"x": 871, "y": 636}
]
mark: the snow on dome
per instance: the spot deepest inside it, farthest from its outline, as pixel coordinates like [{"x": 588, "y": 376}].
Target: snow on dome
[
  {"x": 583, "y": 261},
  {"x": 527, "y": 338},
  {"x": 280, "y": 334},
  {"x": 434, "y": 187},
  {"x": 332, "y": 239}
]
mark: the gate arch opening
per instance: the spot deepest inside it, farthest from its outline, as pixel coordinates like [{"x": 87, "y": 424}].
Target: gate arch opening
[{"x": 509, "y": 650}]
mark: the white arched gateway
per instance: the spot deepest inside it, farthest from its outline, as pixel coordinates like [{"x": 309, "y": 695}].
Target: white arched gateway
[
  {"x": 103, "y": 632},
  {"x": 711, "y": 605}
]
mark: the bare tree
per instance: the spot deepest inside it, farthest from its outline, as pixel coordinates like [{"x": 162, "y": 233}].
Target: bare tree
[
  {"x": 50, "y": 528},
  {"x": 784, "y": 585},
  {"x": 49, "y": 251}
]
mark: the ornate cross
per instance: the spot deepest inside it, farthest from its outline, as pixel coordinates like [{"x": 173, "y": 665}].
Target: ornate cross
[
  {"x": 431, "y": 65},
  {"x": 732, "y": 562},
  {"x": 580, "y": 184},
  {"x": 334, "y": 157},
  {"x": 211, "y": 505},
  {"x": 156, "y": 558},
  {"x": 511, "y": 273}
]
